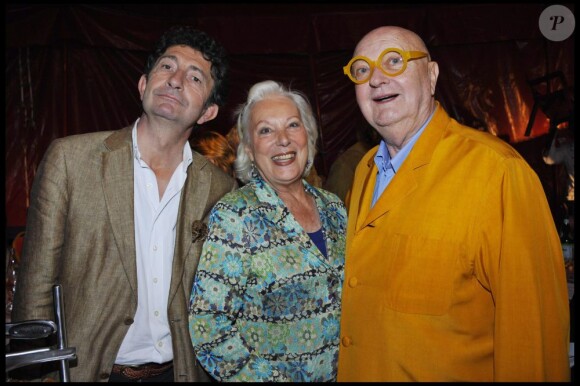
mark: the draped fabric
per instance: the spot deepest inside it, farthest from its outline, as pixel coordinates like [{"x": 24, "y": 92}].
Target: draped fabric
[{"x": 70, "y": 68}]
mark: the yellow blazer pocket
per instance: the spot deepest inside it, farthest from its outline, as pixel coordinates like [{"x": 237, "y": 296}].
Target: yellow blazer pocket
[{"x": 421, "y": 275}]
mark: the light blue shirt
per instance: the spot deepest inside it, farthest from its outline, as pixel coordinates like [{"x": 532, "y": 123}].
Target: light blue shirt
[{"x": 388, "y": 166}]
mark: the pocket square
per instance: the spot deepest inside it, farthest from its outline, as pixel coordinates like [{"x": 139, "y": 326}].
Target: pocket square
[{"x": 198, "y": 231}]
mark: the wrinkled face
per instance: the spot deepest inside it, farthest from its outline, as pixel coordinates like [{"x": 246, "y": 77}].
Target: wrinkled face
[
  {"x": 405, "y": 100},
  {"x": 279, "y": 141},
  {"x": 178, "y": 86}
]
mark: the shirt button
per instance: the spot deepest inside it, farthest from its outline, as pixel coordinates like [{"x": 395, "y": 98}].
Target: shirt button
[
  {"x": 155, "y": 280},
  {"x": 155, "y": 247},
  {"x": 346, "y": 341},
  {"x": 156, "y": 313},
  {"x": 352, "y": 282},
  {"x": 160, "y": 344}
]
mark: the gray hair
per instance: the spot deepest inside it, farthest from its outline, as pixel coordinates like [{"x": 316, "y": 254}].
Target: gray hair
[{"x": 260, "y": 91}]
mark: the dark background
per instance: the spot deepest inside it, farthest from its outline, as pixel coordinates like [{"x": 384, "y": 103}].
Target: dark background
[{"x": 73, "y": 69}]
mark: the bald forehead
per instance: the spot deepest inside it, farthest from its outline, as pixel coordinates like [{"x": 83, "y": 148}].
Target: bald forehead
[{"x": 390, "y": 36}]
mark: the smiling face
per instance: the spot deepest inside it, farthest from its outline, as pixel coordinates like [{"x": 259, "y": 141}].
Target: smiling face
[
  {"x": 278, "y": 141},
  {"x": 399, "y": 104},
  {"x": 177, "y": 88}
]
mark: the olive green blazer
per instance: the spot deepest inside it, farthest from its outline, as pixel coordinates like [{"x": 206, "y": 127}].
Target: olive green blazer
[{"x": 80, "y": 232}]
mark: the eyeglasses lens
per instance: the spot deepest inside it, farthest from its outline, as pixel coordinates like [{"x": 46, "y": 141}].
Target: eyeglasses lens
[
  {"x": 392, "y": 62},
  {"x": 360, "y": 70}
]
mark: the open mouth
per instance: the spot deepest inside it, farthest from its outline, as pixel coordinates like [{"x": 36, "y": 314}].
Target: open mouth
[
  {"x": 385, "y": 98},
  {"x": 284, "y": 157}
]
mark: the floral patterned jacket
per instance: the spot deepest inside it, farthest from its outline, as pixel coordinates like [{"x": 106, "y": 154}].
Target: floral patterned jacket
[{"x": 265, "y": 302}]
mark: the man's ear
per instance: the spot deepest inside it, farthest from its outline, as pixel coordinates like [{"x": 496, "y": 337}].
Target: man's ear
[
  {"x": 209, "y": 114},
  {"x": 433, "y": 75},
  {"x": 141, "y": 85}
]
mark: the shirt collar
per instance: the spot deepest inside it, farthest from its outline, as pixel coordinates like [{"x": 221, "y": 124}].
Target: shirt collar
[{"x": 383, "y": 159}]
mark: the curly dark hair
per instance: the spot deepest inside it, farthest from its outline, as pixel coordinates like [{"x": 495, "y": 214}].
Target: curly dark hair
[{"x": 207, "y": 46}]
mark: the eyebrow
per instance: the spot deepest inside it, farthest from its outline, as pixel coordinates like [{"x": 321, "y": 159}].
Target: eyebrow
[
  {"x": 191, "y": 66},
  {"x": 290, "y": 118}
]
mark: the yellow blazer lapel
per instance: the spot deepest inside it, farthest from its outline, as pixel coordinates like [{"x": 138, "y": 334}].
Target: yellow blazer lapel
[
  {"x": 365, "y": 189},
  {"x": 407, "y": 177},
  {"x": 396, "y": 191},
  {"x": 402, "y": 185}
]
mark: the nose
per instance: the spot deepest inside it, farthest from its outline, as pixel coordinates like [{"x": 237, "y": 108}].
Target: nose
[
  {"x": 282, "y": 138},
  {"x": 378, "y": 77},
  {"x": 175, "y": 80}
]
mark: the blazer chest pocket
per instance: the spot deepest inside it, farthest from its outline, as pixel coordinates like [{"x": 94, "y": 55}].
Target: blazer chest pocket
[{"x": 421, "y": 275}]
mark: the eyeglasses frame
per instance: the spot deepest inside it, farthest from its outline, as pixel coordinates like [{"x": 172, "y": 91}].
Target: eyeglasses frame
[{"x": 406, "y": 55}]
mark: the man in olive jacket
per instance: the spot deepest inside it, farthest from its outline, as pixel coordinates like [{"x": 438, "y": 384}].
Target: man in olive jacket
[{"x": 117, "y": 219}]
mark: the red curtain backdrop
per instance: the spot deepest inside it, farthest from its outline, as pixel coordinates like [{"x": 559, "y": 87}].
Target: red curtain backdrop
[{"x": 72, "y": 69}]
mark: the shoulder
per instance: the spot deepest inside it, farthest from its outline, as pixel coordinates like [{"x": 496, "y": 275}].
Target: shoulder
[
  {"x": 97, "y": 137},
  {"x": 483, "y": 155},
  {"x": 483, "y": 141},
  {"x": 327, "y": 196},
  {"x": 328, "y": 200},
  {"x": 240, "y": 199},
  {"x": 450, "y": 138},
  {"x": 218, "y": 175},
  {"x": 236, "y": 207},
  {"x": 101, "y": 140},
  {"x": 453, "y": 138},
  {"x": 79, "y": 146}
]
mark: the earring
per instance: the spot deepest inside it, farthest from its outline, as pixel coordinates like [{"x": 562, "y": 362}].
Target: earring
[{"x": 254, "y": 171}]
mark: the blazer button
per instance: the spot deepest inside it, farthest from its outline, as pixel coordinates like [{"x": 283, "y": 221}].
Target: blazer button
[
  {"x": 104, "y": 375},
  {"x": 128, "y": 321},
  {"x": 346, "y": 341},
  {"x": 352, "y": 282}
]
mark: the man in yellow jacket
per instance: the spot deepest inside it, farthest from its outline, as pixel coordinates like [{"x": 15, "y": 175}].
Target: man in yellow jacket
[{"x": 454, "y": 270}]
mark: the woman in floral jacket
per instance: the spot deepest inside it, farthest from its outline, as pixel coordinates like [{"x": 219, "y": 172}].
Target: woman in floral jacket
[{"x": 265, "y": 303}]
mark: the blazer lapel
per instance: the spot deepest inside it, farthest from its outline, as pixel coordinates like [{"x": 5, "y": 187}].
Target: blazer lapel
[
  {"x": 401, "y": 186},
  {"x": 366, "y": 194},
  {"x": 407, "y": 178},
  {"x": 194, "y": 196},
  {"x": 118, "y": 191}
]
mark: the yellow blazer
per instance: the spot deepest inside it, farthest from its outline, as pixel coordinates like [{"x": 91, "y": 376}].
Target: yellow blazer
[{"x": 456, "y": 274}]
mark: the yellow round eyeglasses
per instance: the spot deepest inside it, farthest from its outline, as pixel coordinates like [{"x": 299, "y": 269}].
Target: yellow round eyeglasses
[{"x": 391, "y": 62}]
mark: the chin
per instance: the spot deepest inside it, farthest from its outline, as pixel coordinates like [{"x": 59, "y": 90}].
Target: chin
[{"x": 383, "y": 119}]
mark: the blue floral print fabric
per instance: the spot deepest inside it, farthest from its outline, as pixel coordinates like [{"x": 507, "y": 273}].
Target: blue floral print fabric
[{"x": 265, "y": 303}]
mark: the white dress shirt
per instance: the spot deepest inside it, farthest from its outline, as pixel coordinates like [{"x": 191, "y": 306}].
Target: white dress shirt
[{"x": 149, "y": 337}]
